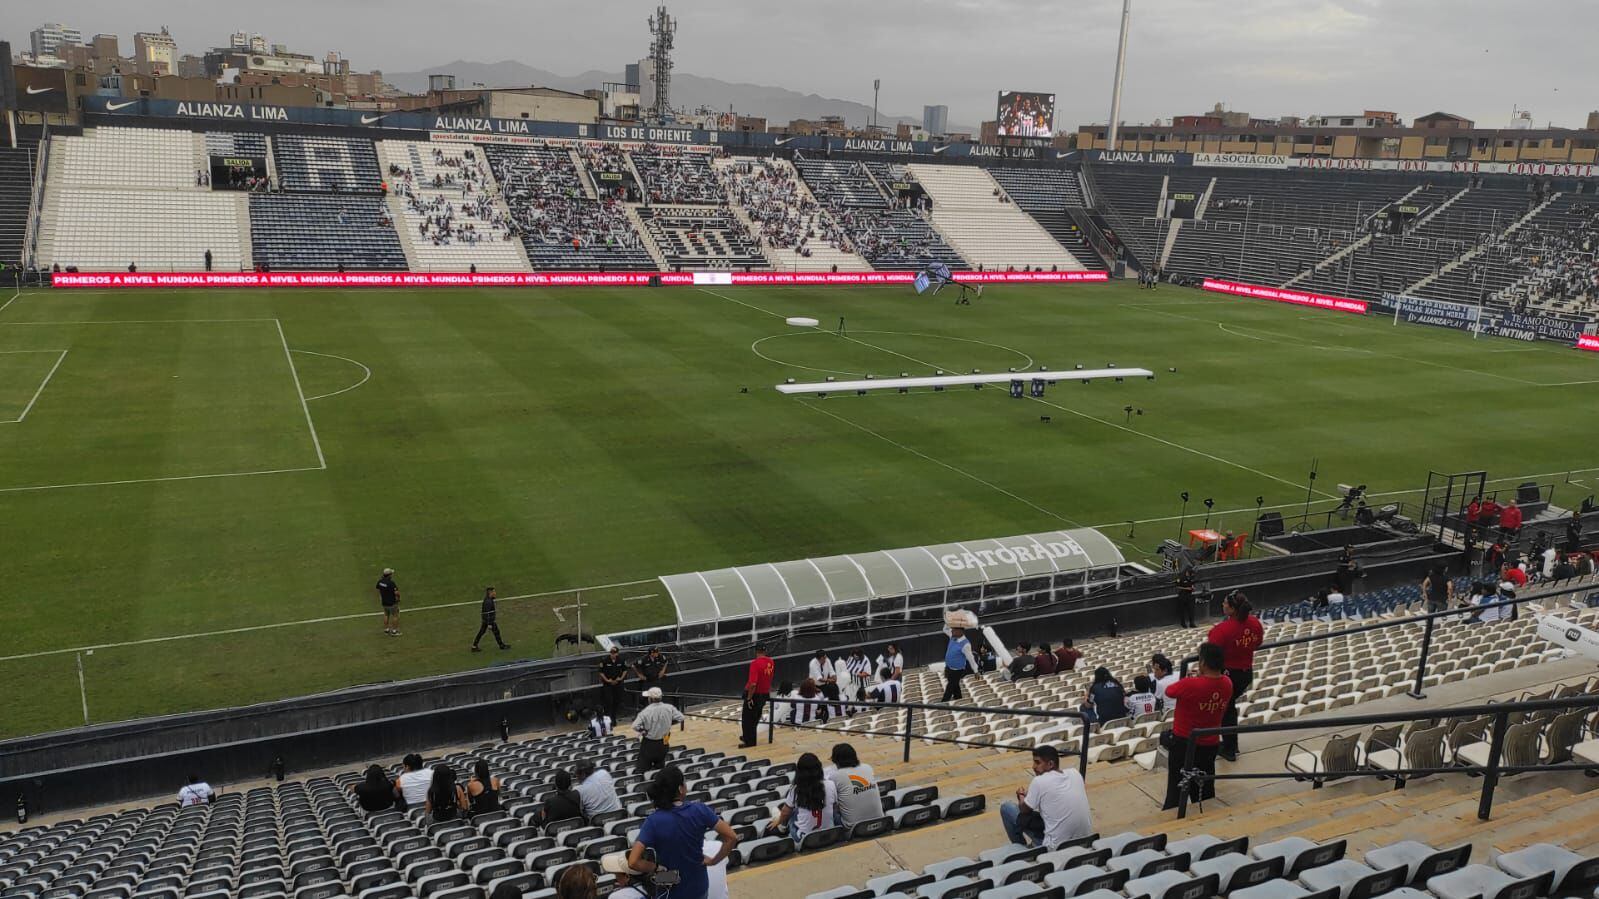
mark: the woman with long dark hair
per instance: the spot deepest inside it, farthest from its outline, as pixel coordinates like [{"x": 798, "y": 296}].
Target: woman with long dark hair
[
  {"x": 676, "y": 831},
  {"x": 1106, "y": 697},
  {"x": 810, "y": 802},
  {"x": 1239, "y": 634},
  {"x": 484, "y": 790},
  {"x": 446, "y": 800},
  {"x": 375, "y": 792}
]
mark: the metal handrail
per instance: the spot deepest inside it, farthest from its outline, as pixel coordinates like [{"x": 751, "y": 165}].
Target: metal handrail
[
  {"x": 1428, "y": 618},
  {"x": 41, "y": 162},
  {"x": 1490, "y": 772},
  {"x": 910, "y": 715}
]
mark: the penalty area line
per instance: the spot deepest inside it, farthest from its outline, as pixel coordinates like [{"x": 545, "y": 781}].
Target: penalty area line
[{"x": 302, "y": 622}]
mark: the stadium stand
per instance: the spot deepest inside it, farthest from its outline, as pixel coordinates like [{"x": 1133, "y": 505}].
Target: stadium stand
[
  {"x": 1267, "y": 229},
  {"x": 312, "y": 841},
  {"x": 291, "y": 232},
  {"x": 1545, "y": 262},
  {"x": 154, "y": 158},
  {"x": 977, "y": 218},
  {"x": 1130, "y": 201},
  {"x": 677, "y": 177},
  {"x": 16, "y": 193},
  {"x": 794, "y": 231},
  {"x": 888, "y": 237},
  {"x": 1451, "y": 224},
  {"x": 562, "y": 225},
  {"x": 1046, "y": 194},
  {"x": 696, "y": 237},
  {"x": 449, "y": 209},
  {"x": 236, "y": 143},
  {"x": 322, "y": 164},
  {"x": 121, "y": 196}
]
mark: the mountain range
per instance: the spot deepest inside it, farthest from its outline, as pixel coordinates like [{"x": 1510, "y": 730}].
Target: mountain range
[{"x": 689, "y": 92}]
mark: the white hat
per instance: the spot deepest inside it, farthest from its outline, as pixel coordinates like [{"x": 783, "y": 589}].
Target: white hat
[
  {"x": 388, "y": 571},
  {"x": 615, "y": 863},
  {"x": 652, "y": 693}
]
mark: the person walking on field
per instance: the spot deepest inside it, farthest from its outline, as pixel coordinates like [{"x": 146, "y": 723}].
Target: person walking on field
[
  {"x": 489, "y": 623},
  {"x": 389, "y": 596}
]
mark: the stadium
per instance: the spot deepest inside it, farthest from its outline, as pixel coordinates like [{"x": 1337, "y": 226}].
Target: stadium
[{"x": 952, "y": 451}]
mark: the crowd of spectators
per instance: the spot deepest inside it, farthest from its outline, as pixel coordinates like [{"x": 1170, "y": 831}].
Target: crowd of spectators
[
  {"x": 549, "y": 205},
  {"x": 1559, "y": 258},
  {"x": 675, "y": 176},
  {"x": 785, "y": 215},
  {"x": 841, "y": 686},
  {"x": 473, "y": 218}
]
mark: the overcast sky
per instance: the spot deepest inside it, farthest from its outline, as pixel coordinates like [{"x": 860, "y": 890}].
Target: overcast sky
[{"x": 1266, "y": 57}]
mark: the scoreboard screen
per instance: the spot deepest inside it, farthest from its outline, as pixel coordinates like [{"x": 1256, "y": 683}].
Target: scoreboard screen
[{"x": 1026, "y": 114}]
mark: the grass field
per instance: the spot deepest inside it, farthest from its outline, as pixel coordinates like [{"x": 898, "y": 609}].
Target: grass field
[{"x": 202, "y": 486}]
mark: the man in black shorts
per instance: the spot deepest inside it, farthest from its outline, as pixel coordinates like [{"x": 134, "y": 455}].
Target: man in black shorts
[
  {"x": 389, "y": 595},
  {"x": 489, "y": 623}
]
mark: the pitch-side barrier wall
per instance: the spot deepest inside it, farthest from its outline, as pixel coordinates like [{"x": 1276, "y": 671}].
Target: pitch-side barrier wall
[
  {"x": 382, "y": 722},
  {"x": 114, "y": 280}
]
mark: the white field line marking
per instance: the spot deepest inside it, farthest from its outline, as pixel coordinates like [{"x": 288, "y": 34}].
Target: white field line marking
[
  {"x": 639, "y": 597},
  {"x": 1291, "y": 340},
  {"x": 321, "y": 460},
  {"x": 186, "y": 477},
  {"x": 152, "y": 321},
  {"x": 29, "y": 408},
  {"x": 742, "y": 303},
  {"x": 323, "y": 396},
  {"x": 301, "y": 622},
  {"x": 826, "y": 371},
  {"x": 10, "y": 301},
  {"x": 1187, "y": 449},
  {"x": 963, "y": 473}
]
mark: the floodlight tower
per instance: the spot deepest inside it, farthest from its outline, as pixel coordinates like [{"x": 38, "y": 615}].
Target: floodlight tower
[
  {"x": 662, "y": 28},
  {"x": 1121, "y": 69}
]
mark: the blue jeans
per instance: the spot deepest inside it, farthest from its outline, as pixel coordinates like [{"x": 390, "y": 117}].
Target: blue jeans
[{"x": 1010, "y": 815}]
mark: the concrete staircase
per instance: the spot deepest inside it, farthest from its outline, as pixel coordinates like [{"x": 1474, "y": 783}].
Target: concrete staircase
[
  {"x": 1363, "y": 239},
  {"x": 1481, "y": 248},
  {"x": 644, "y": 234},
  {"x": 995, "y": 235}
]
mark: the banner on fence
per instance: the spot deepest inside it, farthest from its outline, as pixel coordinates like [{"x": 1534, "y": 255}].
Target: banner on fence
[
  {"x": 118, "y": 280},
  {"x": 1437, "y": 313},
  {"x": 1286, "y": 295}
]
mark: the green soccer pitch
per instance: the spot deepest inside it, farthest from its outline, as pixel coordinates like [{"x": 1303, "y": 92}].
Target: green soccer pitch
[{"x": 202, "y": 487}]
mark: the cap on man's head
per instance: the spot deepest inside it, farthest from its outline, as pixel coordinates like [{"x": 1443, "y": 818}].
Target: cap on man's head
[
  {"x": 615, "y": 648},
  {"x": 388, "y": 571},
  {"x": 653, "y": 694},
  {"x": 615, "y": 863}
]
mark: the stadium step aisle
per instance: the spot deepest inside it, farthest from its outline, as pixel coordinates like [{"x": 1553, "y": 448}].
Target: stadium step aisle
[
  {"x": 16, "y": 192},
  {"x": 969, "y": 212}
]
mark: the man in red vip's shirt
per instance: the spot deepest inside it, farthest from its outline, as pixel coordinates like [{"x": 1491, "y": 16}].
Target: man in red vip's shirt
[
  {"x": 757, "y": 690},
  {"x": 1202, "y": 701},
  {"x": 1239, "y": 634},
  {"x": 1513, "y": 574}
]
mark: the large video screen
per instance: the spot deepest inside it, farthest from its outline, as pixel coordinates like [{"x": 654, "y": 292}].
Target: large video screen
[{"x": 1025, "y": 114}]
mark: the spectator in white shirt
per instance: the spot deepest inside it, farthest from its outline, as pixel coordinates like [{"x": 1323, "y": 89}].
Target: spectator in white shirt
[
  {"x": 888, "y": 689},
  {"x": 810, "y": 802},
  {"x": 414, "y": 783},
  {"x": 1052, "y": 809},
  {"x": 892, "y": 659},
  {"x": 1142, "y": 700},
  {"x": 1160, "y": 668},
  {"x": 825, "y": 676},
  {"x": 195, "y": 792}
]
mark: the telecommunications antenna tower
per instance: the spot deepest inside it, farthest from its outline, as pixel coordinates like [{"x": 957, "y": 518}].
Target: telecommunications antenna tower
[{"x": 662, "y": 27}]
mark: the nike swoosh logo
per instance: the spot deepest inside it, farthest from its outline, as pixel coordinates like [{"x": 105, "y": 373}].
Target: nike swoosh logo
[
  {"x": 40, "y": 90},
  {"x": 941, "y": 149},
  {"x": 1062, "y": 154},
  {"x": 113, "y": 107},
  {"x": 369, "y": 119},
  {"x": 783, "y": 140}
]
